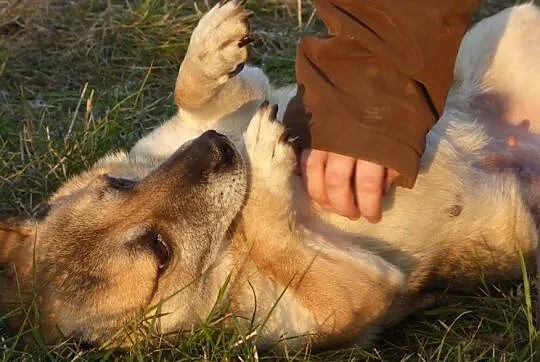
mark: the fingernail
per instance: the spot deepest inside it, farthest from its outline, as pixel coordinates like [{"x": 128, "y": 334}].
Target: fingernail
[
  {"x": 321, "y": 206},
  {"x": 355, "y": 217}
]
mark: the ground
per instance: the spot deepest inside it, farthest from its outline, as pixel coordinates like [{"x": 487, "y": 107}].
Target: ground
[{"x": 80, "y": 78}]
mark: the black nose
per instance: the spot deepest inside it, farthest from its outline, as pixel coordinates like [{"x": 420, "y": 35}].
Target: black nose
[
  {"x": 222, "y": 148},
  {"x": 210, "y": 153},
  {"x": 212, "y": 133}
]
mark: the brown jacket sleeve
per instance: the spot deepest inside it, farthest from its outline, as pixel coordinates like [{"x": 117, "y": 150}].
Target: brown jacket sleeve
[{"x": 375, "y": 87}]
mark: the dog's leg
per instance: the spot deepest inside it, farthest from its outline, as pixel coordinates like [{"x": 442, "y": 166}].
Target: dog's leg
[
  {"x": 497, "y": 69},
  {"x": 497, "y": 74},
  {"x": 344, "y": 296},
  {"x": 213, "y": 80}
]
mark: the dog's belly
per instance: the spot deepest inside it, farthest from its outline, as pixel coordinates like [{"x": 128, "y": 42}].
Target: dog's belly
[{"x": 441, "y": 231}]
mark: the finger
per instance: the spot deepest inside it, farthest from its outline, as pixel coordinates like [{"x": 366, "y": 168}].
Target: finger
[
  {"x": 338, "y": 182},
  {"x": 391, "y": 177},
  {"x": 313, "y": 164},
  {"x": 369, "y": 179}
]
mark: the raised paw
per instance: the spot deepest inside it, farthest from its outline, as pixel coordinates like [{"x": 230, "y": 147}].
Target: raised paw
[
  {"x": 219, "y": 42},
  {"x": 268, "y": 148}
]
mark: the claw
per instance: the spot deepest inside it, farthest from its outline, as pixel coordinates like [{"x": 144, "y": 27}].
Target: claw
[
  {"x": 237, "y": 70},
  {"x": 245, "y": 41},
  {"x": 273, "y": 113},
  {"x": 248, "y": 15},
  {"x": 286, "y": 137},
  {"x": 264, "y": 105}
]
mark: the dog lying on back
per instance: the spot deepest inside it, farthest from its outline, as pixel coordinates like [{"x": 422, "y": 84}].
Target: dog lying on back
[{"x": 205, "y": 212}]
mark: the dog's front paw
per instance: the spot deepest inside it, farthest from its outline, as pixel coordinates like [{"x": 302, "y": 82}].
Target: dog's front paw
[
  {"x": 219, "y": 42},
  {"x": 269, "y": 149}
]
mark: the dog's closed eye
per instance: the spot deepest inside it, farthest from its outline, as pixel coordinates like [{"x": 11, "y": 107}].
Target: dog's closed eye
[{"x": 121, "y": 184}]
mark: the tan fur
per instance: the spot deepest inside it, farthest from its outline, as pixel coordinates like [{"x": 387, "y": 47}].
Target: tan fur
[
  {"x": 163, "y": 229},
  {"x": 16, "y": 251}
]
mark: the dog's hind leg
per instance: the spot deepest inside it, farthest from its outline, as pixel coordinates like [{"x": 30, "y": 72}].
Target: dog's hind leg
[
  {"x": 497, "y": 79},
  {"x": 496, "y": 83},
  {"x": 497, "y": 69}
]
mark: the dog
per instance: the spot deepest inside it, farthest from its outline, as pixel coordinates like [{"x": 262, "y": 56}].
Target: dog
[{"x": 205, "y": 213}]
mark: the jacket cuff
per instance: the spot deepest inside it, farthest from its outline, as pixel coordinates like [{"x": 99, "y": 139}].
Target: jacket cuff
[{"x": 374, "y": 147}]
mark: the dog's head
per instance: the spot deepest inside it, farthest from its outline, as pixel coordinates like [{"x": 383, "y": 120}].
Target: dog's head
[{"x": 124, "y": 236}]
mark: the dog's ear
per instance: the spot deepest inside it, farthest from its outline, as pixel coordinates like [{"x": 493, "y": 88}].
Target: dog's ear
[{"x": 15, "y": 236}]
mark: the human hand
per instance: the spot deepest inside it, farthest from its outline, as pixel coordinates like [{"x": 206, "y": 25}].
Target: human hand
[{"x": 348, "y": 186}]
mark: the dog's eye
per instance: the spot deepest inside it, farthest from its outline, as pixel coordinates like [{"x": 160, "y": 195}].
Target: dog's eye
[
  {"x": 162, "y": 249},
  {"x": 42, "y": 210},
  {"x": 119, "y": 183}
]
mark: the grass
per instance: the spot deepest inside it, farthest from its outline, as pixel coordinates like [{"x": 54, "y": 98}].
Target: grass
[{"x": 78, "y": 79}]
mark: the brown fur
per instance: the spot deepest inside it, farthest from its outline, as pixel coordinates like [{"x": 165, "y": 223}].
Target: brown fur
[{"x": 161, "y": 230}]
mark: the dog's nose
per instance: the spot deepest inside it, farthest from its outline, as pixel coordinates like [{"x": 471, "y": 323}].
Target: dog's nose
[
  {"x": 221, "y": 147},
  {"x": 212, "y": 134},
  {"x": 210, "y": 153}
]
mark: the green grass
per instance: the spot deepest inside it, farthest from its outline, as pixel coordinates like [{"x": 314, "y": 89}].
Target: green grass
[{"x": 77, "y": 80}]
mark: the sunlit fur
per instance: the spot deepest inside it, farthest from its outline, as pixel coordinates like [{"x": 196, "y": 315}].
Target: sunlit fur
[{"x": 239, "y": 224}]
